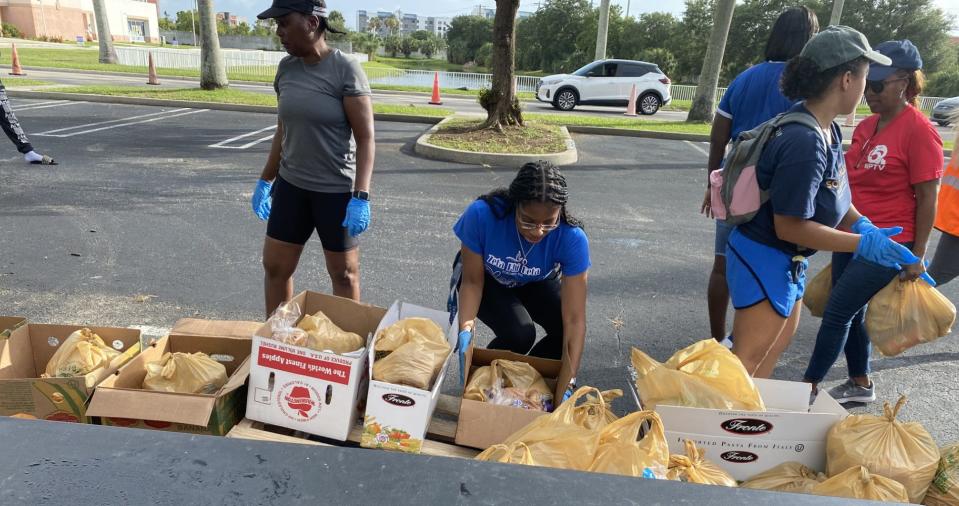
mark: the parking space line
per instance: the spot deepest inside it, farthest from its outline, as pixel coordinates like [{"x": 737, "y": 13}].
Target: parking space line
[
  {"x": 58, "y": 104},
  {"x": 76, "y": 127},
  {"x": 698, "y": 148},
  {"x": 129, "y": 123},
  {"x": 223, "y": 144},
  {"x": 34, "y": 104}
]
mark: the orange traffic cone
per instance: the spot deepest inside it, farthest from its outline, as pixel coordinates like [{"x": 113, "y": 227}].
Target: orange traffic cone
[
  {"x": 15, "y": 70},
  {"x": 436, "y": 90},
  {"x": 152, "y": 72},
  {"x": 631, "y": 106}
]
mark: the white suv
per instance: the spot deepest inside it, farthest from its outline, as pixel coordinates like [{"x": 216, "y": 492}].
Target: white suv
[{"x": 607, "y": 82}]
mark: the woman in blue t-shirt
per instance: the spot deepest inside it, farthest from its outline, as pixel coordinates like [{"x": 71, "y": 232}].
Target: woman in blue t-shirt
[
  {"x": 524, "y": 262},
  {"x": 805, "y": 176},
  {"x": 753, "y": 98}
]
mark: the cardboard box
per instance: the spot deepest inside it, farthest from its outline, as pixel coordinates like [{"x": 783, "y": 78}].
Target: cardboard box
[
  {"x": 9, "y": 323},
  {"x": 746, "y": 443},
  {"x": 24, "y": 358},
  {"x": 481, "y": 424},
  {"x": 307, "y": 390},
  {"x": 397, "y": 416},
  {"x": 121, "y": 400}
]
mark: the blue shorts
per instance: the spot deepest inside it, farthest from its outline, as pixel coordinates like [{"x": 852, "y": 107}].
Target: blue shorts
[
  {"x": 756, "y": 272},
  {"x": 722, "y": 237}
]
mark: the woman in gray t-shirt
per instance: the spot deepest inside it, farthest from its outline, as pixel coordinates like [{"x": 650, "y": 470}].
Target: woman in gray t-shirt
[{"x": 317, "y": 176}]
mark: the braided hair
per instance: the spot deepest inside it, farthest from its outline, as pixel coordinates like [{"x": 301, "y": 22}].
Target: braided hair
[{"x": 538, "y": 181}]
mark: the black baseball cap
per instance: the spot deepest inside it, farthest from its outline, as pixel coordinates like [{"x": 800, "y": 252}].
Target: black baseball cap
[{"x": 281, "y": 8}]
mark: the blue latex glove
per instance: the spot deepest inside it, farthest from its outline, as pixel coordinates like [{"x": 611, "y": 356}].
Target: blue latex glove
[
  {"x": 462, "y": 345},
  {"x": 862, "y": 226},
  {"x": 877, "y": 247},
  {"x": 262, "y": 200},
  {"x": 357, "y": 216}
]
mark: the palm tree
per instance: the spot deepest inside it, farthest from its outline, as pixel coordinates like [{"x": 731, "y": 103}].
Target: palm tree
[
  {"x": 104, "y": 37},
  {"x": 212, "y": 67},
  {"x": 374, "y": 25},
  {"x": 704, "y": 100},
  {"x": 392, "y": 23},
  {"x": 502, "y": 106}
]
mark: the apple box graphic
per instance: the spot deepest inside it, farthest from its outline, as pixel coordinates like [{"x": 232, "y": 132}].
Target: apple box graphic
[{"x": 299, "y": 401}]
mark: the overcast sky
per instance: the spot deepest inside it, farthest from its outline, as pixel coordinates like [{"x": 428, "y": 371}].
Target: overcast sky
[{"x": 450, "y": 8}]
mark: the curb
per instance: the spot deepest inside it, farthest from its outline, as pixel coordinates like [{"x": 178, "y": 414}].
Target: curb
[
  {"x": 213, "y": 106},
  {"x": 646, "y": 134},
  {"x": 424, "y": 148}
]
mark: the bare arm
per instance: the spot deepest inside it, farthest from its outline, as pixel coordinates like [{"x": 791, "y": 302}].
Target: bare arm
[
  {"x": 927, "y": 197},
  {"x": 272, "y": 167},
  {"x": 719, "y": 137},
  {"x": 359, "y": 112},
  {"x": 573, "y": 296},
  {"x": 471, "y": 288},
  {"x": 817, "y": 236}
]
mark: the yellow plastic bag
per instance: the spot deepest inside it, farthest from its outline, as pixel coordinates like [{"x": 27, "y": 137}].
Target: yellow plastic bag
[
  {"x": 694, "y": 468},
  {"x": 510, "y": 383},
  {"x": 907, "y": 313},
  {"x": 567, "y": 438},
  {"x": 858, "y": 483},
  {"x": 904, "y": 452},
  {"x": 80, "y": 354},
  {"x": 786, "y": 477},
  {"x": 323, "y": 335},
  {"x": 817, "y": 292},
  {"x": 410, "y": 352},
  {"x": 703, "y": 375},
  {"x": 944, "y": 490},
  {"x": 620, "y": 453},
  {"x": 516, "y": 453},
  {"x": 185, "y": 373}
]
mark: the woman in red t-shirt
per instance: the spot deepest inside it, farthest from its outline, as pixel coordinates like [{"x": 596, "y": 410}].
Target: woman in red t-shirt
[{"x": 894, "y": 165}]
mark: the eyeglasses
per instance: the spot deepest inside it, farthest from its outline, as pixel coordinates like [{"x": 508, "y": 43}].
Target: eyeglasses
[
  {"x": 525, "y": 225},
  {"x": 878, "y": 86}
]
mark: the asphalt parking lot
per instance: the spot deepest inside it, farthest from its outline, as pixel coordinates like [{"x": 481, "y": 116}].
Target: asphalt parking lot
[{"x": 147, "y": 220}]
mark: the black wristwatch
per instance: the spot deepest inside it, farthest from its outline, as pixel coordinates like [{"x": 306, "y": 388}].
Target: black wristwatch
[{"x": 362, "y": 195}]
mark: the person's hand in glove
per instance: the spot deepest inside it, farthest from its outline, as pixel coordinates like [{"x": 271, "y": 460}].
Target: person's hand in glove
[
  {"x": 462, "y": 344},
  {"x": 262, "y": 200},
  {"x": 862, "y": 226},
  {"x": 877, "y": 247},
  {"x": 357, "y": 216}
]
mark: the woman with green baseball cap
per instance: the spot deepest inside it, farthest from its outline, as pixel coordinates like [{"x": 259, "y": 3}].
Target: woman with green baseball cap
[{"x": 804, "y": 173}]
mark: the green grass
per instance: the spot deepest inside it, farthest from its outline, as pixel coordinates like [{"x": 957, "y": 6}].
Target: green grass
[
  {"x": 23, "y": 82},
  {"x": 626, "y": 123},
  {"x": 535, "y": 138}
]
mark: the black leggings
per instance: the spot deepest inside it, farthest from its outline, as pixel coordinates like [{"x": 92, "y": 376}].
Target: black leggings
[
  {"x": 10, "y": 125},
  {"x": 511, "y": 313}
]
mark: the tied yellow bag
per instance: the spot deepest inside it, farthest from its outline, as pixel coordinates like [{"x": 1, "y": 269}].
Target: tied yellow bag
[
  {"x": 904, "y": 452},
  {"x": 817, "y": 292},
  {"x": 410, "y": 352},
  {"x": 80, "y": 354},
  {"x": 694, "y": 468},
  {"x": 506, "y": 382},
  {"x": 566, "y": 438},
  {"x": 786, "y": 477},
  {"x": 944, "y": 490},
  {"x": 858, "y": 483},
  {"x": 904, "y": 314},
  {"x": 185, "y": 373},
  {"x": 703, "y": 375},
  {"x": 323, "y": 335},
  {"x": 620, "y": 453}
]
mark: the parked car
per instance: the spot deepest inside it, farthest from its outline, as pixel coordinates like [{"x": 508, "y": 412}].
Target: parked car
[
  {"x": 607, "y": 82},
  {"x": 944, "y": 110}
]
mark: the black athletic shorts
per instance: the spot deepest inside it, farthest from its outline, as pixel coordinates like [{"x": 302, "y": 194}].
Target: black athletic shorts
[{"x": 297, "y": 212}]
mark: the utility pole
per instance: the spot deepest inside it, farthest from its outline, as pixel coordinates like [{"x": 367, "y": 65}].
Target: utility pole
[
  {"x": 603, "y": 30},
  {"x": 836, "y": 12},
  {"x": 627, "y": 9}
]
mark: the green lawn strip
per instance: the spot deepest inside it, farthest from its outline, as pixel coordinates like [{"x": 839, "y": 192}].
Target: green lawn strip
[
  {"x": 625, "y": 123},
  {"x": 22, "y": 82},
  {"x": 535, "y": 138}
]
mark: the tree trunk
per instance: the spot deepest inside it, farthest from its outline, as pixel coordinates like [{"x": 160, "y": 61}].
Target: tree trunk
[
  {"x": 500, "y": 102},
  {"x": 603, "y": 30},
  {"x": 104, "y": 38},
  {"x": 836, "y": 12},
  {"x": 704, "y": 101},
  {"x": 212, "y": 67}
]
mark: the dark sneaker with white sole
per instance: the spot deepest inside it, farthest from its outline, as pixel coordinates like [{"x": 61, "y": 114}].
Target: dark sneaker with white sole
[{"x": 851, "y": 392}]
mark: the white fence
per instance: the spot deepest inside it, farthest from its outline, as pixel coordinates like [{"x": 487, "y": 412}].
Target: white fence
[
  {"x": 685, "y": 92},
  {"x": 463, "y": 80}
]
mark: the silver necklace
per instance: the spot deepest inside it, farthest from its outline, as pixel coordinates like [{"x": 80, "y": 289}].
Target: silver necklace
[{"x": 523, "y": 252}]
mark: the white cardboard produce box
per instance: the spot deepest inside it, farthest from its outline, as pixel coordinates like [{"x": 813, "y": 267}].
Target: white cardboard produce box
[
  {"x": 307, "y": 390},
  {"x": 746, "y": 443},
  {"x": 397, "y": 416}
]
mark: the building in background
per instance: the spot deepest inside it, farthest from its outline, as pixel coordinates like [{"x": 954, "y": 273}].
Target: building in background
[
  {"x": 130, "y": 20},
  {"x": 230, "y": 19},
  {"x": 436, "y": 25},
  {"x": 409, "y": 22},
  {"x": 487, "y": 13}
]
